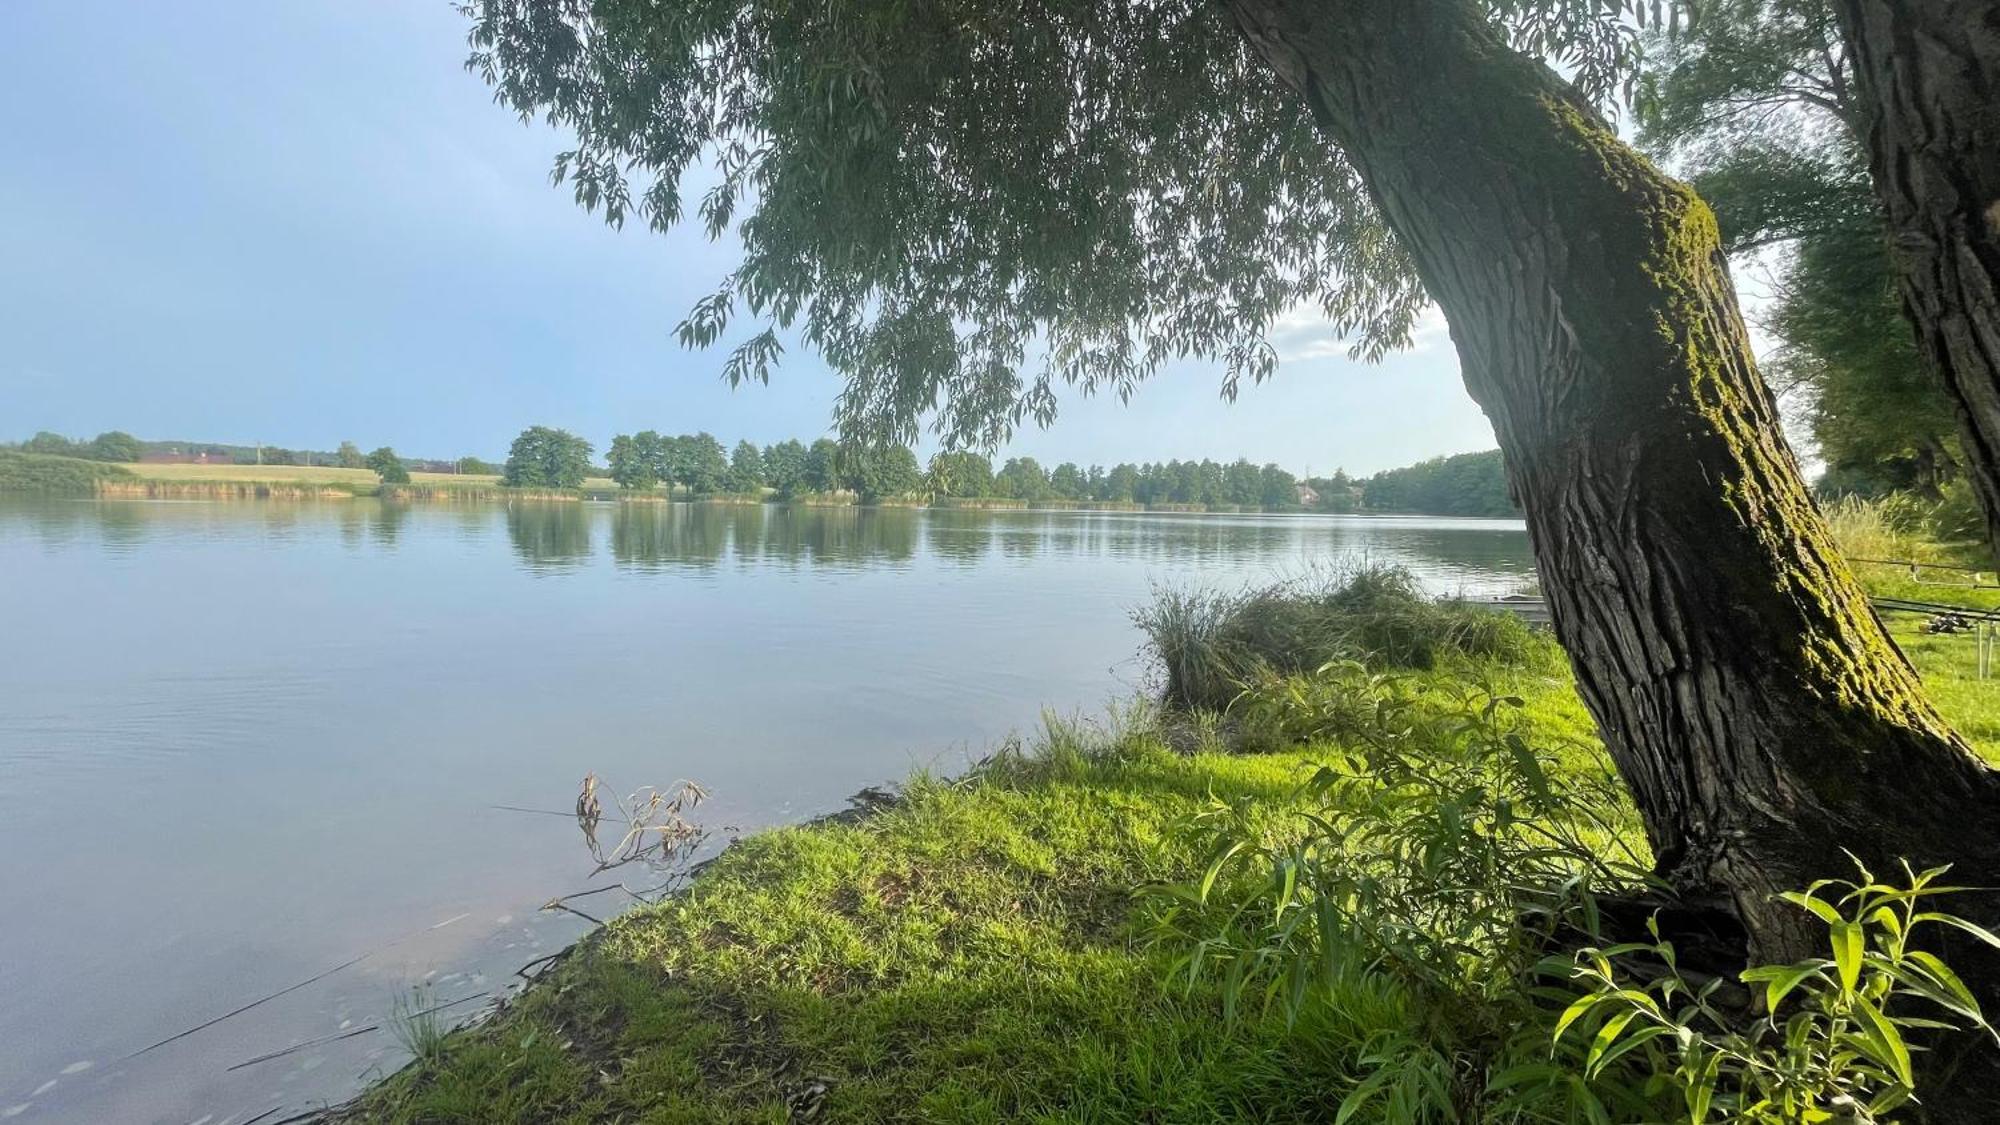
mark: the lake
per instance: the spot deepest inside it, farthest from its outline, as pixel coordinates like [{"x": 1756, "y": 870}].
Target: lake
[{"x": 243, "y": 744}]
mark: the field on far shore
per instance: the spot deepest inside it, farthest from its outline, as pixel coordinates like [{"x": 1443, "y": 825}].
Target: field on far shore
[{"x": 363, "y": 480}]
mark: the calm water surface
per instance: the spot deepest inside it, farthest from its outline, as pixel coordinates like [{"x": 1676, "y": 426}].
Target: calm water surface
[{"x": 242, "y": 744}]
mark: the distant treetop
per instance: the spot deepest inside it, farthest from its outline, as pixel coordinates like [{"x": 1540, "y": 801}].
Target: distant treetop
[{"x": 542, "y": 457}]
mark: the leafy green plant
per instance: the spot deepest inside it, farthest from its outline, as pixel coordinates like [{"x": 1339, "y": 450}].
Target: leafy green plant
[
  {"x": 1436, "y": 848},
  {"x": 1957, "y": 516},
  {"x": 1407, "y": 914},
  {"x": 1833, "y": 1041}
]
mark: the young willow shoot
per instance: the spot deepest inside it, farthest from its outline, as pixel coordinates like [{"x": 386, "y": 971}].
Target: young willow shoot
[
  {"x": 1837, "y": 1035},
  {"x": 1438, "y": 862}
]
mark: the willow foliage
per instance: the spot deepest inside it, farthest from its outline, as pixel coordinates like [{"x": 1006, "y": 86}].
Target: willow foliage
[{"x": 965, "y": 204}]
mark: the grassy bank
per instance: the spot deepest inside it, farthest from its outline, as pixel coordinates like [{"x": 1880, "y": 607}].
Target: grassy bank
[
  {"x": 57, "y": 476},
  {"x": 1894, "y": 547},
  {"x": 973, "y": 953},
  {"x": 21, "y": 472},
  {"x": 964, "y": 956},
  {"x": 302, "y": 482},
  {"x": 977, "y": 951}
]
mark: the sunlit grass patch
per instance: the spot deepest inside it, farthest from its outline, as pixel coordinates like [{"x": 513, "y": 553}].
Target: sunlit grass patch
[
  {"x": 291, "y": 474},
  {"x": 1949, "y": 665},
  {"x": 965, "y": 955}
]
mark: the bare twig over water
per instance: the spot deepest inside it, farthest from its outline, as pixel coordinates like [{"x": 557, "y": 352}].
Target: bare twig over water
[
  {"x": 657, "y": 832},
  {"x": 591, "y": 918},
  {"x": 297, "y": 1047},
  {"x": 252, "y": 1004},
  {"x": 315, "y": 978}
]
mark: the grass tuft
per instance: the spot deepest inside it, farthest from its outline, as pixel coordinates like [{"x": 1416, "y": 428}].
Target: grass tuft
[
  {"x": 1210, "y": 643},
  {"x": 419, "y": 1025}
]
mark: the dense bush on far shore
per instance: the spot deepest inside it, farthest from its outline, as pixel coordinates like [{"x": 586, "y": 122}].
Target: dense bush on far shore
[{"x": 58, "y": 476}]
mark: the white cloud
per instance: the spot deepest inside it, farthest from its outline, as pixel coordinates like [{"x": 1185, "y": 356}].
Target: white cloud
[{"x": 1303, "y": 334}]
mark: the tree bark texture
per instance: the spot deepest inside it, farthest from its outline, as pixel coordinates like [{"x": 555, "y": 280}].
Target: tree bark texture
[
  {"x": 1748, "y": 694},
  {"x": 1928, "y": 74}
]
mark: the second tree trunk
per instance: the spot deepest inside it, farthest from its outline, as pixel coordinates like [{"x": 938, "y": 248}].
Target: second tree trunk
[
  {"x": 1929, "y": 78},
  {"x": 1748, "y": 694}
]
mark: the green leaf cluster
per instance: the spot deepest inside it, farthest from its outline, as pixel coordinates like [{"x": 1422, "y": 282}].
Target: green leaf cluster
[
  {"x": 1834, "y": 1037},
  {"x": 389, "y": 466},
  {"x": 966, "y": 207},
  {"x": 1757, "y": 103},
  {"x": 544, "y": 457}
]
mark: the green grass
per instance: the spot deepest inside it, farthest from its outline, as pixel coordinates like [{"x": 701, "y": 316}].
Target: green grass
[
  {"x": 419, "y": 1025},
  {"x": 292, "y": 480},
  {"x": 1949, "y": 664},
  {"x": 55, "y": 476},
  {"x": 262, "y": 474},
  {"x": 965, "y": 956},
  {"x": 1929, "y": 534}
]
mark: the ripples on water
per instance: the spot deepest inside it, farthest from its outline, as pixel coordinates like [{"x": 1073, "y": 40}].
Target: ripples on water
[{"x": 242, "y": 743}]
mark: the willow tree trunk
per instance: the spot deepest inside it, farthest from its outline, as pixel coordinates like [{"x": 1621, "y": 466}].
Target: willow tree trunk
[
  {"x": 1929, "y": 77},
  {"x": 1748, "y": 694}
]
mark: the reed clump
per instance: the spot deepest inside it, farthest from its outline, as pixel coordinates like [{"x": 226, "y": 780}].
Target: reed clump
[
  {"x": 1211, "y": 643},
  {"x": 149, "y": 489}
]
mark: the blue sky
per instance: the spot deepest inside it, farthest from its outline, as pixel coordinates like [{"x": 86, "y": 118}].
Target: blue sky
[{"x": 303, "y": 222}]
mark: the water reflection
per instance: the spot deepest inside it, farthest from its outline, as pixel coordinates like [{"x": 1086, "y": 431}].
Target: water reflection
[
  {"x": 653, "y": 537},
  {"x": 388, "y": 520},
  {"x": 550, "y": 535},
  {"x": 558, "y": 537}
]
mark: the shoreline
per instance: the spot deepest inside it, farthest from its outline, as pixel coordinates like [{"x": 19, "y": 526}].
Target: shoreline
[
  {"x": 307, "y": 492},
  {"x": 767, "y": 982},
  {"x": 36, "y": 475},
  {"x": 981, "y": 948}
]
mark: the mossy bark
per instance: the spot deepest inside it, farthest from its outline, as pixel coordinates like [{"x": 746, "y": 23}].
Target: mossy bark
[
  {"x": 1748, "y": 693},
  {"x": 1928, "y": 72}
]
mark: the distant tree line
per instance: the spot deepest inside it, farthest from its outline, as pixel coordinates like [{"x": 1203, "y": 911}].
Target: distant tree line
[
  {"x": 698, "y": 464},
  {"x": 112, "y": 445},
  {"x": 1469, "y": 484},
  {"x": 1472, "y": 484},
  {"x": 1206, "y": 483}
]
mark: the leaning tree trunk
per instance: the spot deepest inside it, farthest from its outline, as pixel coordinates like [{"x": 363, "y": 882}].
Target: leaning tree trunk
[
  {"x": 1929, "y": 75},
  {"x": 1762, "y": 718}
]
